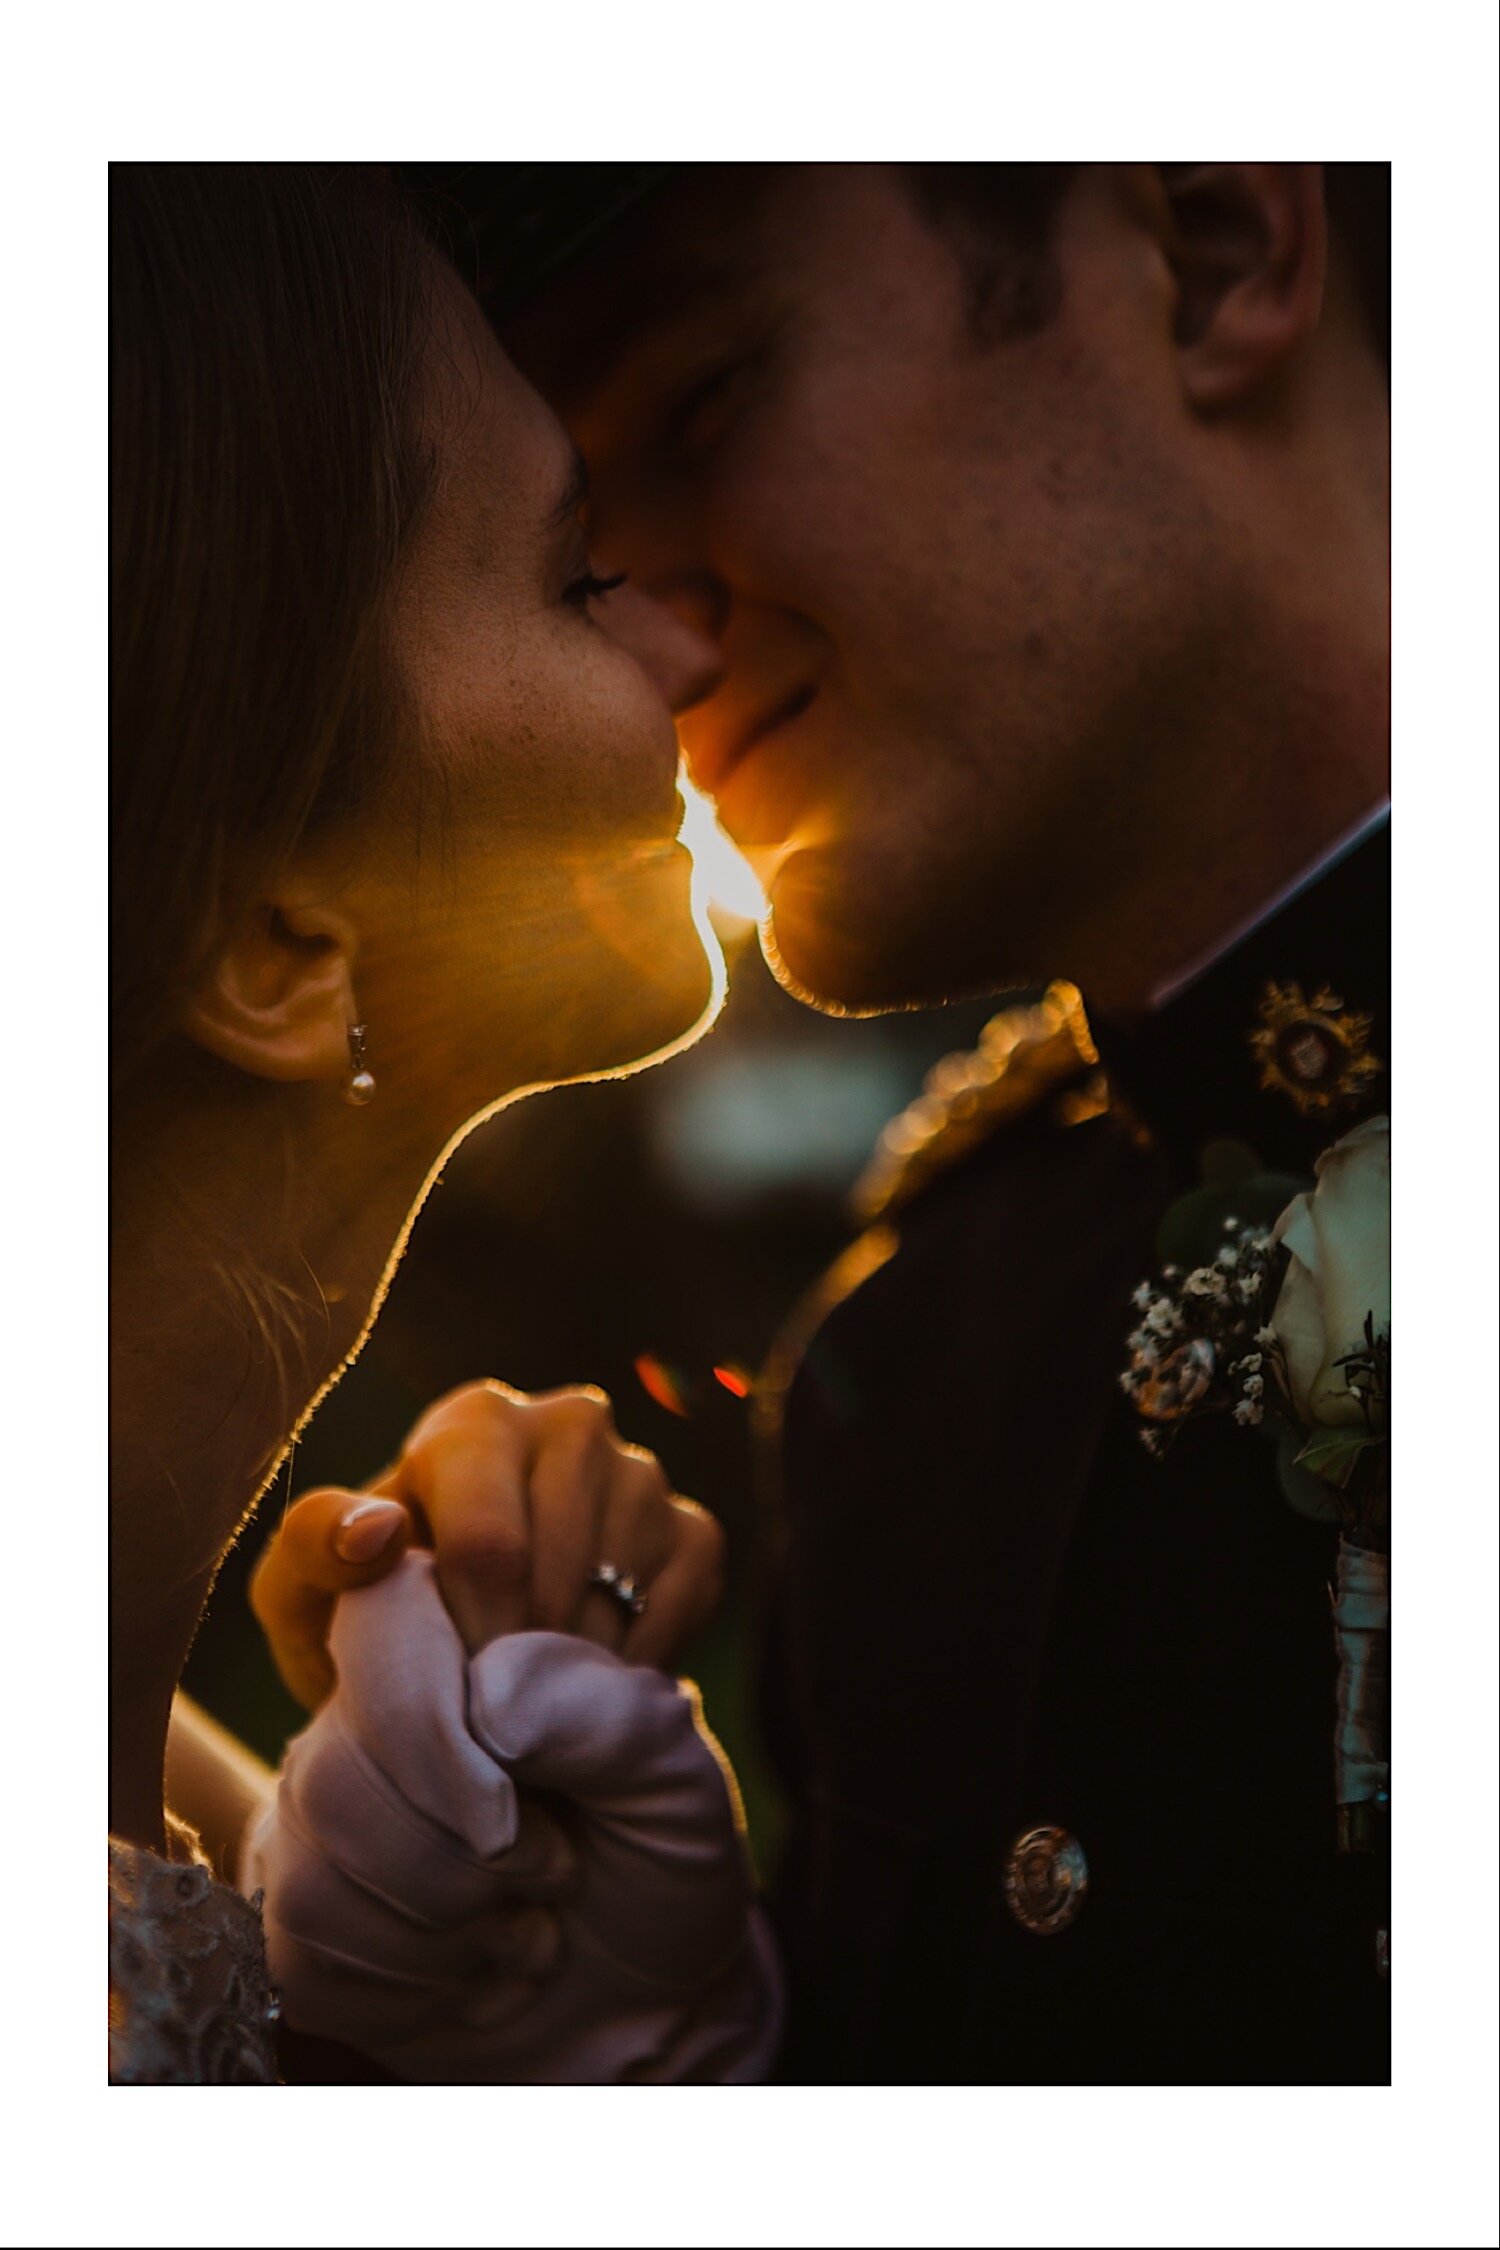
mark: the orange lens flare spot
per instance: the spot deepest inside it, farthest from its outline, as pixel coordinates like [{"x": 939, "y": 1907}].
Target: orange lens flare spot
[
  {"x": 734, "y": 1380},
  {"x": 659, "y": 1383}
]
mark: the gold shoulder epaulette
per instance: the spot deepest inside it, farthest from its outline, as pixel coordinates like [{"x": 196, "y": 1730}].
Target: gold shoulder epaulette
[{"x": 1024, "y": 1054}]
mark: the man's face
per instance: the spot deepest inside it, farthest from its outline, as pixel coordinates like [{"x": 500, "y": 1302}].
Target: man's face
[{"x": 945, "y": 577}]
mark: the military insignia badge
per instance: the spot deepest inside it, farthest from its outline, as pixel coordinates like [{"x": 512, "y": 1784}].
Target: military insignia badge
[
  {"x": 1046, "y": 1876},
  {"x": 1316, "y": 1052}
]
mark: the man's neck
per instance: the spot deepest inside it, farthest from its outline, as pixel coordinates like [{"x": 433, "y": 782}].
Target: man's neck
[{"x": 1327, "y": 859}]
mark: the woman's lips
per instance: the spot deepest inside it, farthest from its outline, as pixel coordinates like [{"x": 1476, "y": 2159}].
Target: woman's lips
[{"x": 711, "y": 763}]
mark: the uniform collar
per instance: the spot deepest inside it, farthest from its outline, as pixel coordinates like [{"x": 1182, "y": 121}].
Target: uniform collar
[{"x": 1191, "y": 1069}]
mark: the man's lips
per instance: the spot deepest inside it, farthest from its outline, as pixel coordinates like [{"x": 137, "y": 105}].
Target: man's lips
[{"x": 712, "y": 763}]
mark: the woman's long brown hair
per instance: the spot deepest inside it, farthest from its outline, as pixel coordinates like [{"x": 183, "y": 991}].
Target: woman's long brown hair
[{"x": 267, "y": 331}]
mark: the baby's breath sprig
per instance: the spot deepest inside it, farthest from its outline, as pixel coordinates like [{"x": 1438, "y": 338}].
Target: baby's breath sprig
[{"x": 1202, "y": 1343}]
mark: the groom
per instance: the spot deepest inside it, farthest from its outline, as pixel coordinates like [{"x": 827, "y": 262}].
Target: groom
[{"x": 1034, "y": 523}]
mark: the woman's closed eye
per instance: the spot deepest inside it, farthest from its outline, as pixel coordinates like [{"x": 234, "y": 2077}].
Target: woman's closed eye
[{"x": 589, "y": 587}]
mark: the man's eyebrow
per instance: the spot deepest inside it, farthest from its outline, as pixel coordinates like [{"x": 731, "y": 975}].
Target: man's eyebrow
[{"x": 574, "y": 493}]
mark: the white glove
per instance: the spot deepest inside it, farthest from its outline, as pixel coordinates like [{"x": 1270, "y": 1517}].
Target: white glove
[{"x": 424, "y": 1905}]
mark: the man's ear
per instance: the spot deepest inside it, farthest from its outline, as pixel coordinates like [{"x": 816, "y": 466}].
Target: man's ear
[
  {"x": 279, "y": 1001},
  {"x": 1248, "y": 249}
]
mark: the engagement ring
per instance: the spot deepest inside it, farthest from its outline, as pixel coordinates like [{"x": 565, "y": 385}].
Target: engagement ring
[{"x": 620, "y": 1584}]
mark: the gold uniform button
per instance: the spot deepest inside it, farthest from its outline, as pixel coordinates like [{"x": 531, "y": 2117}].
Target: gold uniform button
[{"x": 1046, "y": 1877}]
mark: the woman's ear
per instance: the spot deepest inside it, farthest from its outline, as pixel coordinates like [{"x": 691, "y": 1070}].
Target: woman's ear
[
  {"x": 279, "y": 1001},
  {"x": 1247, "y": 245}
]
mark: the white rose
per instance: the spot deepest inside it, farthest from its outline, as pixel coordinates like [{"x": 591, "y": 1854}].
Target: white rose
[{"x": 1339, "y": 1237}]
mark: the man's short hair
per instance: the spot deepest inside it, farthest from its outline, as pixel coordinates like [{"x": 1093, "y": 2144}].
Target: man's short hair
[
  {"x": 1002, "y": 217},
  {"x": 513, "y": 228}
]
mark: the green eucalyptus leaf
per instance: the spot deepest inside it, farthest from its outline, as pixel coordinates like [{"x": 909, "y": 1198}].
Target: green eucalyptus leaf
[
  {"x": 1309, "y": 1495},
  {"x": 1331, "y": 1454}
]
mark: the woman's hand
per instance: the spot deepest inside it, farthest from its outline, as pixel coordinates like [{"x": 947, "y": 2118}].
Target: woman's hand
[{"x": 520, "y": 1498}]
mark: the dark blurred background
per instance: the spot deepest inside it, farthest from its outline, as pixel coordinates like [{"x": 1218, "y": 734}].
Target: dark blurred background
[{"x": 638, "y": 1234}]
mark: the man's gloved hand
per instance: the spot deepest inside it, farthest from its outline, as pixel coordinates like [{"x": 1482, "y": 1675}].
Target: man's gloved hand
[{"x": 524, "y": 1865}]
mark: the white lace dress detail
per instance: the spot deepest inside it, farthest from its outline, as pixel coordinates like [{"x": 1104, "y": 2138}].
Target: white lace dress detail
[{"x": 190, "y": 2003}]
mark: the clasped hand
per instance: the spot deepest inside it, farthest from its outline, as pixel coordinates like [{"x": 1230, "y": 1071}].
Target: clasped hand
[
  {"x": 498, "y": 1852},
  {"x": 519, "y": 1498}
]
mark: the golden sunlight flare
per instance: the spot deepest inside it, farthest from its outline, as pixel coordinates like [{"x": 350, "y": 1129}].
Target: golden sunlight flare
[{"x": 722, "y": 876}]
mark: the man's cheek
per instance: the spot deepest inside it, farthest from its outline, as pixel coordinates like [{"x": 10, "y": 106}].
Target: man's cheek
[{"x": 795, "y": 529}]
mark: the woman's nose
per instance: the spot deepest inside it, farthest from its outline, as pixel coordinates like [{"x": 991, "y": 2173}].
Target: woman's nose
[{"x": 676, "y": 646}]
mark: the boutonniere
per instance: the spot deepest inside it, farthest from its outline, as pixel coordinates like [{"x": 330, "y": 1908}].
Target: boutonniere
[{"x": 1284, "y": 1326}]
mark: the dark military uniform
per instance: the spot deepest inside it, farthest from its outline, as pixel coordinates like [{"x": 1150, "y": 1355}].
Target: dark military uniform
[{"x": 1000, "y": 1617}]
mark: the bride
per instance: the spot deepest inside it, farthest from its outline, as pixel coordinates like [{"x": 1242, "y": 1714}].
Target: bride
[{"x": 393, "y": 839}]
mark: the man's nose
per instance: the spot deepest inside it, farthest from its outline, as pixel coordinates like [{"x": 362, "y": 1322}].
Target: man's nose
[{"x": 674, "y": 637}]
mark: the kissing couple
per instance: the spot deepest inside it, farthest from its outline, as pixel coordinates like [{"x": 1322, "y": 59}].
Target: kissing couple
[{"x": 1005, "y": 549}]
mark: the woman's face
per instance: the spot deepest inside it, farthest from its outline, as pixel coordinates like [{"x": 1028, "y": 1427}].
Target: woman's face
[{"x": 525, "y": 916}]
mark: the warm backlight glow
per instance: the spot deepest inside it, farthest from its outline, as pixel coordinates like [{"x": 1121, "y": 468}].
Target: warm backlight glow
[{"x": 722, "y": 877}]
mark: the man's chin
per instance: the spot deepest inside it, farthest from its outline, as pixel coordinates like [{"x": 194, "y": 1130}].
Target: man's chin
[
  {"x": 829, "y": 945},
  {"x": 848, "y": 938}
]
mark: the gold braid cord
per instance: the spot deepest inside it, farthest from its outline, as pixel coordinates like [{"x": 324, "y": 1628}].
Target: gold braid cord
[{"x": 1024, "y": 1054}]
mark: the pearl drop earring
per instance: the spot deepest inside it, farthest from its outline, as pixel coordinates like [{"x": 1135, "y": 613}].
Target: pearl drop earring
[{"x": 361, "y": 1086}]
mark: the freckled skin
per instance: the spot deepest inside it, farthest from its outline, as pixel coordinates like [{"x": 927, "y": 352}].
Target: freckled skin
[
  {"x": 1093, "y": 671},
  {"x": 543, "y": 927}
]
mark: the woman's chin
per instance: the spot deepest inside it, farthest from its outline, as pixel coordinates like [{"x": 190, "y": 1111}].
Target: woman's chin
[
  {"x": 662, "y": 976},
  {"x": 626, "y": 973},
  {"x": 667, "y": 1008},
  {"x": 641, "y": 1008}
]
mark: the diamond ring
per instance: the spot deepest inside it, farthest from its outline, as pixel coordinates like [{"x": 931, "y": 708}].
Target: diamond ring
[{"x": 612, "y": 1580}]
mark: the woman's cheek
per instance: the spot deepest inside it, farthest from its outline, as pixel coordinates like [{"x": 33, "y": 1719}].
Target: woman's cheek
[{"x": 616, "y": 747}]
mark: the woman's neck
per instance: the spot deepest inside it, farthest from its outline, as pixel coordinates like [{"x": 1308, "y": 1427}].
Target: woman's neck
[{"x": 249, "y": 1255}]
